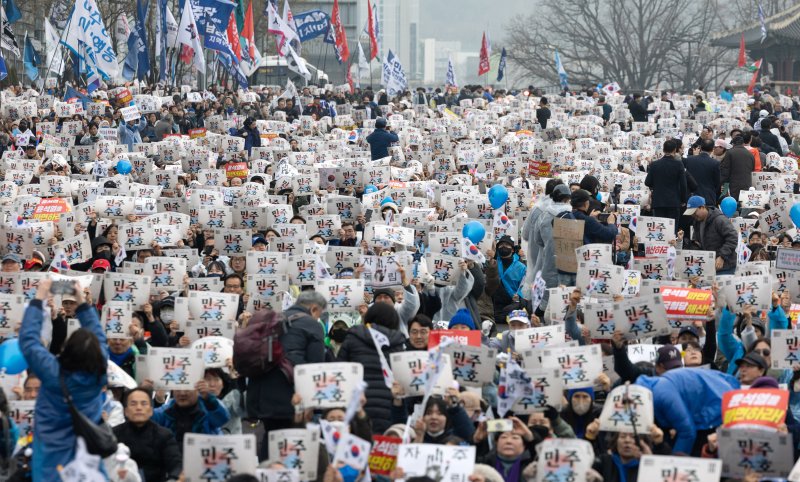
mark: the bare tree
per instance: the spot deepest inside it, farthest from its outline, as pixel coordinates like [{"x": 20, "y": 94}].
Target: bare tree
[{"x": 638, "y": 43}]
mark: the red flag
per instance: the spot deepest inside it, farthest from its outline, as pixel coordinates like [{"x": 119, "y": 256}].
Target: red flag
[
  {"x": 187, "y": 54},
  {"x": 342, "y": 51},
  {"x": 233, "y": 37},
  {"x": 373, "y": 39},
  {"x": 753, "y": 80},
  {"x": 248, "y": 32},
  {"x": 483, "y": 64},
  {"x": 742, "y": 54}
]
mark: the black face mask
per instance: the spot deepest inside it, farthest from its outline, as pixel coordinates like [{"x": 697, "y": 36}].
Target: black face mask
[
  {"x": 505, "y": 252},
  {"x": 106, "y": 255},
  {"x": 338, "y": 335}
]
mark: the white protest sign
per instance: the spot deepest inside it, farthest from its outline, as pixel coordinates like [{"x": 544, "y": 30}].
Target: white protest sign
[
  {"x": 127, "y": 287},
  {"x": 327, "y": 385},
  {"x": 130, "y": 113},
  {"x": 579, "y": 366},
  {"x": 452, "y": 463},
  {"x": 218, "y": 457},
  {"x": 538, "y": 337},
  {"x": 641, "y": 317},
  {"x": 667, "y": 468},
  {"x": 601, "y": 280},
  {"x": 173, "y": 368},
  {"x": 473, "y": 366},
  {"x": 410, "y": 370},
  {"x": 116, "y": 319},
  {"x": 748, "y": 290},
  {"x": 11, "y": 311},
  {"x": 767, "y": 453},
  {"x": 217, "y": 350},
  {"x": 297, "y": 449},
  {"x": 546, "y": 388},
  {"x": 629, "y": 409},
  {"x": 560, "y": 459},
  {"x": 343, "y": 295}
]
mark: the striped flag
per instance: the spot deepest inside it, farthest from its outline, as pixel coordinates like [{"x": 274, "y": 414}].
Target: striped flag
[
  {"x": 763, "y": 22},
  {"x": 381, "y": 341},
  {"x": 451, "y": 74},
  {"x": 59, "y": 263}
]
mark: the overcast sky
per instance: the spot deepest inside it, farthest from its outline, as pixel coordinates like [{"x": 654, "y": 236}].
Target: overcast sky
[{"x": 465, "y": 20}]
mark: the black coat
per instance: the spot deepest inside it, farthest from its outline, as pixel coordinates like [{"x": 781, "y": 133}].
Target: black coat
[
  {"x": 666, "y": 178},
  {"x": 705, "y": 171},
  {"x": 736, "y": 168},
  {"x": 270, "y": 395},
  {"x": 154, "y": 449},
  {"x": 717, "y": 234},
  {"x": 542, "y": 116},
  {"x": 379, "y": 142},
  {"x": 358, "y": 347},
  {"x": 771, "y": 140},
  {"x": 638, "y": 111}
]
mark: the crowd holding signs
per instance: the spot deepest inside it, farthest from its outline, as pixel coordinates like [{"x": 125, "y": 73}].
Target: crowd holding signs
[{"x": 482, "y": 286}]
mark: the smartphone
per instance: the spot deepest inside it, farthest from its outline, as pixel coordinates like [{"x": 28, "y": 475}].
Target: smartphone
[
  {"x": 603, "y": 217},
  {"x": 62, "y": 287},
  {"x": 179, "y": 334},
  {"x": 640, "y": 251}
]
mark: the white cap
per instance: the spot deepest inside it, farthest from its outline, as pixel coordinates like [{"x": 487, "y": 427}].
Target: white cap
[{"x": 763, "y": 113}]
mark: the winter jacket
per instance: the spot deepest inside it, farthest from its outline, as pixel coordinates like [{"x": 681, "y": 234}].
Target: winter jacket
[
  {"x": 408, "y": 308},
  {"x": 209, "y": 415},
  {"x": 543, "y": 239},
  {"x": 638, "y": 111},
  {"x": 717, "y": 234},
  {"x": 771, "y": 140},
  {"x": 736, "y": 169},
  {"x": 235, "y": 406},
  {"x": 607, "y": 467},
  {"x": 358, "y": 347},
  {"x": 705, "y": 171},
  {"x": 154, "y": 449},
  {"x": 270, "y": 395},
  {"x": 53, "y": 437},
  {"x": 688, "y": 400},
  {"x": 131, "y": 135},
  {"x": 666, "y": 178},
  {"x": 528, "y": 234},
  {"x": 459, "y": 424},
  {"x": 379, "y": 142},
  {"x": 453, "y": 296},
  {"x": 478, "y": 286},
  {"x": 594, "y": 231},
  {"x": 252, "y": 138},
  {"x": 734, "y": 348}
]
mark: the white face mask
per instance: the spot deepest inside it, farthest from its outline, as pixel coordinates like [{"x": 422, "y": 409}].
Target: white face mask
[{"x": 582, "y": 408}]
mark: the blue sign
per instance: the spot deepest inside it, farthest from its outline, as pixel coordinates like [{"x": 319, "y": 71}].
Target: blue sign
[{"x": 312, "y": 24}]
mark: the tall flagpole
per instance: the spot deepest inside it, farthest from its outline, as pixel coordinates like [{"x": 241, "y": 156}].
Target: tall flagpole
[{"x": 61, "y": 57}]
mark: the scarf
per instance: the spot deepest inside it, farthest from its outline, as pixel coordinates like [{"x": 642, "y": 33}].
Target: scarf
[
  {"x": 622, "y": 468},
  {"x": 120, "y": 359},
  {"x": 511, "y": 277},
  {"x": 510, "y": 471}
]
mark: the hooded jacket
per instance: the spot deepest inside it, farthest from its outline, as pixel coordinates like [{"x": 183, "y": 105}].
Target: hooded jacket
[
  {"x": 209, "y": 417},
  {"x": 688, "y": 400},
  {"x": 543, "y": 239},
  {"x": 358, "y": 347},
  {"x": 528, "y": 233},
  {"x": 53, "y": 437}
]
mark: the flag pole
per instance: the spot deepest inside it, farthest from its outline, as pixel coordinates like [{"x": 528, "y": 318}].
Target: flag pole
[{"x": 61, "y": 57}]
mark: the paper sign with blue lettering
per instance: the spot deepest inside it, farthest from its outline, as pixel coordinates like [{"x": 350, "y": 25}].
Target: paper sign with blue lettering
[
  {"x": 166, "y": 273},
  {"x": 209, "y": 306},
  {"x": 785, "y": 348},
  {"x": 127, "y": 287},
  {"x": 217, "y": 351},
  {"x": 579, "y": 366},
  {"x": 690, "y": 263},
  {"x": 538, "y": 337},
  {"x": 599, "y": 318},
  {"x": 173, "y": 368},
  {"x": 327, "y": 385},
  {"x": 628, "y": 409},
  {"x": 410, "y": 370},
  {"x": 546, "y": 388},
  {"x": 473, "y": 366},
  {"x": 233, "y": 242},
  {"x": 563, "y": 460},
  {"x": 218, "y": 457},
  {"x": 452, "y": 463},
  {"x": 641, "y": 317},
  {"x": 767, "y": 453},
  {"x": 296, "y": 448},
  {"x": 667, "y": 468},
  {"x": 748, "y": 290},
  {"x": 116, "y": 319},
  {"x": 343, "y": 295}
]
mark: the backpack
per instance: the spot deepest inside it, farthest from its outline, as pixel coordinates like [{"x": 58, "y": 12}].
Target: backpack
[{"x": 257, "y": 348}]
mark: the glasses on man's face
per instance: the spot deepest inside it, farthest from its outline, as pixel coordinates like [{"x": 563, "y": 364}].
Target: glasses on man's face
[
  {"x": 423, "y": 332},
  {"x": 233, "y": 287},
  {"x": 763, "y": 351}
]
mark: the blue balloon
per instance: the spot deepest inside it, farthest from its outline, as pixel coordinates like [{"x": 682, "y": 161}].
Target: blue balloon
[
  {"x": 728, "y": 206},
  {"x": 124, "y": 166},
  {"x": 794, "y": 213},
  {"x": 498, "y": 195},
  {"x": 11, "y": 359},
  {"x": 369, "y": 188},
  {"x": 474, "y": 231}
]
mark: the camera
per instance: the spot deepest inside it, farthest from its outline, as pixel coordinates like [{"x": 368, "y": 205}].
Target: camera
[{"x": 62, "y": 287}]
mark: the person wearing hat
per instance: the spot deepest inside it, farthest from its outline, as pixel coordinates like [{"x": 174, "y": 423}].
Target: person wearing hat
[
  {"x": 11, "y": 263},
  {"x": 407, "y": 308},
  {"x": 462, "y": 321},
  {"x": 380, "y": 139},
  {"x": 511, "y": 272},
  {"x": 593, "y": 230},
  {"x": 736, "y": 168},
  {"x": 750, "y": 367},
  {"x": 101, "y": 266},
  {"x": 721, "y": 146},
  {"x": 712, "y": 231},
  {"x": 704, "y": 169},
  {"x": 687, "y": 400},
  {"x": 260, "y": 243},
  {"x": 30, "y": 150},
  {"x": 517, "y": 320}
]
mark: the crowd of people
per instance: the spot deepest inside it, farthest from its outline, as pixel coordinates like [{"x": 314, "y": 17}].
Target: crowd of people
[{"x": 277, "y": 229}]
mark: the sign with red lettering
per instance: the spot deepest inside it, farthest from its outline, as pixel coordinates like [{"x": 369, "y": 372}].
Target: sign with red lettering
[
  {"x": 539, "y": 168},
  {"x": 755, "y": 408},
  {"x": 460, "y": 337},
  {"x": 236, "y": 169},
  {"x": 51, "y": 209},
  {"x": 383, "y": 457},
  {"x": 686, "y": 303},
  {"x": 198, "y": 132}
]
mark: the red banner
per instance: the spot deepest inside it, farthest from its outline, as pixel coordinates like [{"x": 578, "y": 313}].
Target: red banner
[
  {"x": 236, "y": 169},
  {"x": 198, "y": 132},
  {"x": 755, "y": 407},
  {"x": 383, "y": 457},
  {"x": 50, "y": 209},
  {"x": 686, "y": 303},
  {"x": 539, "y": 168},
  {"x": 461, "y": 337}
]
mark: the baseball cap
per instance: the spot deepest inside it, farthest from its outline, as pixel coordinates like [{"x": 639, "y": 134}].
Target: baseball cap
[
  {"x": 579, "y": 196},
  {"x": 690, "y": 330},
  {"x": 101, "y": 264},
  {"x": 33, "y": 263},
  {"x": 753, "y": 359},
  {"x": 763, "y": 113},
  {"x": 693, "y": 203},
  {"x": 12, "y": 257},
  {"x": 259, "y": 240},
  {"x": 669, "y": 357},
  {"x": 519, "y": 315},
  {"x": 561, "y": 192},
  {"x": 722, "y": 143}
]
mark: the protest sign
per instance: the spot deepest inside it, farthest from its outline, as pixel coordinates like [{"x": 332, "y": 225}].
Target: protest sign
[
  {"x": 754, "y": 408},
  {"x": 767, "y": 453},
  {"x": 641, "y": 317},
  {"x": 748, "y": 290},
  {"x": 563, "y": 460},
  {"x": 601, "y": 280},
  {"x": 233, "y": 242},
  {"x": 690, "y": 264},
  {"x": 445, "y": 270},
  {"x": 538, "y": 337},
  {"x": 651, "y": 230},
  {"x": 327, "y": 385},
  {"x": 22, "y": 412},
  {"x": 218, "y": 457},
  {"x": 383, "y": 457},
  {"x": 449, "y": 462},
  {"x": 594, "y": 253},
  {"x": 196, "y": 329},
  {"x": 664, "y": 468},
  {"x": 342, "y": 295},
  {"x": 686, "y": 303},
  {"x": 297, "y": 449},
  {"x": 127, "y": 287},
  {"x": 459, "y": 337},
  {"x": 172, "y": 368},
  {"x": 277, "y": 475},
  {"x": 116, "y": 319},
  {"x": 208, "y": 306},
  {"x": 217, "y": 351},
  {"x": 785, "y": 346},
  {"x": 166, "y": 274},
  {"x": 473, "y": 366},
  {"x": 12, "y": 307},
  {"x": 567, "y": 237},
  {"x": 786, "y": 258},
  {"x": 410, "y": 370},
  {"x": 579, "y": 366},
  {"x": 599, "y": 318},
  {"x": 546, "y": 389},
  {"x": 629, "y": 409}
]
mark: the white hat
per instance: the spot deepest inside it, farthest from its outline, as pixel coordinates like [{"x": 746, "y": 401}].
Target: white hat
[{"x": 763, "y": 113}]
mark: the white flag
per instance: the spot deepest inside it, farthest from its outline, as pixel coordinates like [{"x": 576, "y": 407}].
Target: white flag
[
  {"x": 283, "y": 32},
  {"x": 538, "y": 290},
  {"x": 501, "y": 221},
  {"x": 511, "y": 387},
  {"x": 296, "y": 63},
  {"x": 91, "y": 43},
  {"x": 381, "y": 341},
  {"x": 363, "y": 65},
  {"x": 55, "y": 54},
  {"x": 172, "y": 30},
  {"x": 249, "y": 66},
  {"x": 188, "y": 36},
  {"x": 393, "y": 75},
  {"x": 743, "y": 253},
  {"x": 290, "y": 35}
]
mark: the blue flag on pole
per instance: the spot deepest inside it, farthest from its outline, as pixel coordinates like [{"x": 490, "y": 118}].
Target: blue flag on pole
[
  {"x": 30, "y": 59},
  {"x": 131, "y": 64},
  {"x": 3, "y": 69},
  {"x": 233, "y": 68},
  {"x": 312, "y": 24},
  {"x": 451, "y": 74},
  {"x": 72, "y": 93},
  {"x": 162, "y": 22},
  {"x": 562, "y": 74},
  {"x": 501, "y": 68},
  {"x": 216, "y": 11},
  {"x": 12, "y": 11},
  {"x": 143, "y": 65},
  {"x": 216, "y": 39}
]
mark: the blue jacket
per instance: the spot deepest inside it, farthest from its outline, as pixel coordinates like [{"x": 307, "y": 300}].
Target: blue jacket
[
  {"x": 688, "y": 400},
  {"x": 212, "y": 416},
  {"x": 731, "y": 346},
  {"x": 593, "y": 230},
  {"x": 252, "y": 138},
  {"x": 379, "y": 142},
  {"x": 130, "y": 136},
  {"x": 53, "y": 439}
]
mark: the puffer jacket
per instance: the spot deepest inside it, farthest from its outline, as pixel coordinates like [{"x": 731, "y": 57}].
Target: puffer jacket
[
  {"x": 358, "y": 347},
  {"x": 543, "y": 239},
  {"x": 717, "y": 234},
  {"x": 688, "y": 400},
  {"x": 154, "y": 449},
  {"x": 528, "y": 234},
  {"x": 53, "y": 437}
]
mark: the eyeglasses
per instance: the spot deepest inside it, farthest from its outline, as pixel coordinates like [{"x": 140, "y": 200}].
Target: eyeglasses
[
  {"x": 763, "y": 351},
  {"x": 420, "y": 332}
]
